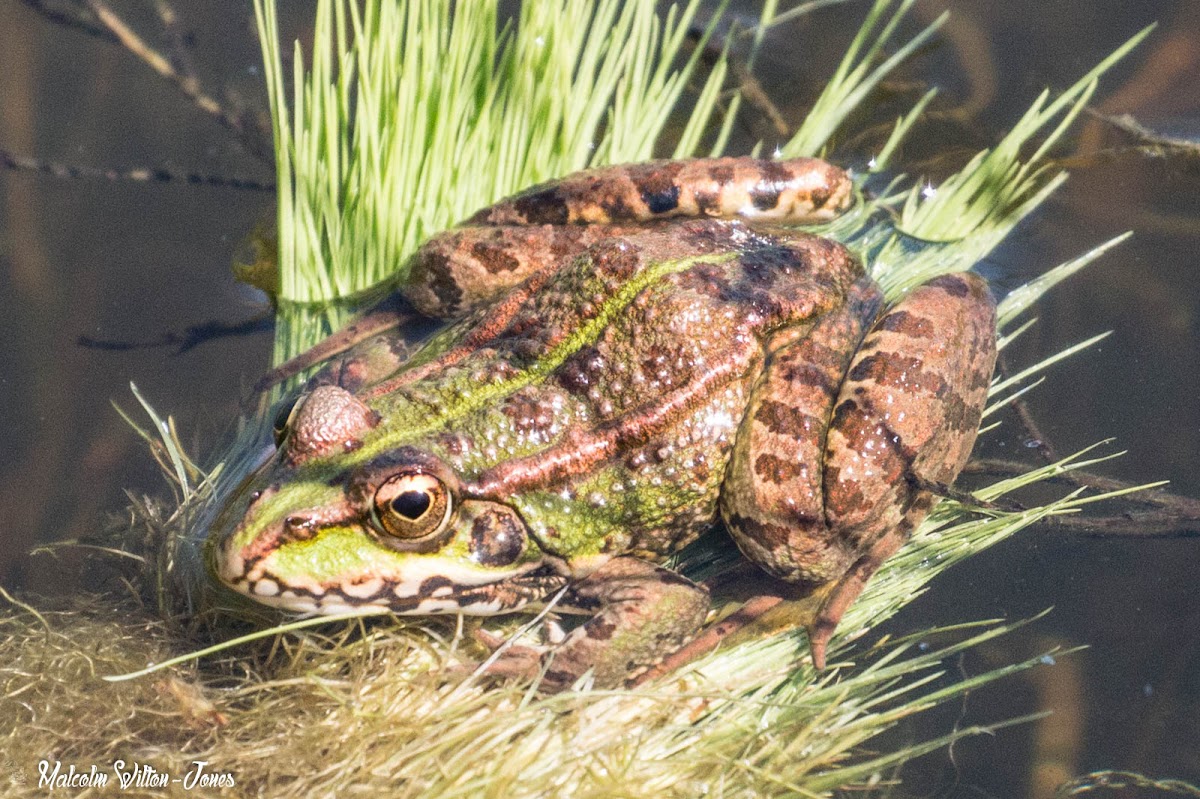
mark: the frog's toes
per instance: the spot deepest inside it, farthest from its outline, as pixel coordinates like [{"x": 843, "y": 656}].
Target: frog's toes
[{"x": 840, "y": 595}]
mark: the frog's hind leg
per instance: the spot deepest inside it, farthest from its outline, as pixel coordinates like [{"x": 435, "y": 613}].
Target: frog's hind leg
[
  {"x": 839, "y": 596},
  {"x": 840, "y": 438},
  {"x": 795, "y": 191},
  {"x": 468, "y": 267},
  {"x": 504, "y": 244},
  {"x": 906, "y": 417},
  {"x": 772, "y": 499}
]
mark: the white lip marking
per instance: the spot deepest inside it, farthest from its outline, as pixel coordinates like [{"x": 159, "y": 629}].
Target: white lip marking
[
  {"x": 378, "y": 593},
  {"x": 364, "y": 589},
  {"x": 433, "y": 606},
  {"x": 266, "y": 588},
  {"x": 332, "y": 603}
]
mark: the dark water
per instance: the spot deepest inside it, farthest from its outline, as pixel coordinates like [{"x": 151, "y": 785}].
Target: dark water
[{"x": 130, "y": 262}]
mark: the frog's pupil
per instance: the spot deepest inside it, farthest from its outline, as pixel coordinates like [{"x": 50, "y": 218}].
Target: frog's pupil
[{"x": 412, "y": 504}]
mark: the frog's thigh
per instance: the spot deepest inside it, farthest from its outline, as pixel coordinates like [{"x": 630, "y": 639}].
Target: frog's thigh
[
  {"x": 643, "y": 613},
  {"x": 772, "y": 499},
  {"x": 466, "y": 267},
  {"x": 909, "y": 408}
]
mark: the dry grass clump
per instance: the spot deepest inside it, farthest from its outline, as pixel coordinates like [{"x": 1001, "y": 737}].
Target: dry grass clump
[
  {"x": 374, "y": 708},
  {"x": 393, "y": 707}
]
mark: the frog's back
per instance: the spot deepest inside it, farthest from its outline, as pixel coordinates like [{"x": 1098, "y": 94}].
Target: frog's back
[
  {"x": 622, "y": 379},
  {"x": 679, "y": 311}
]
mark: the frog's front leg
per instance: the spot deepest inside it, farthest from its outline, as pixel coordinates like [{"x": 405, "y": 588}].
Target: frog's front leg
[
  {"x": 642, "y": 612},
  {"x": 823, "y": 503}
]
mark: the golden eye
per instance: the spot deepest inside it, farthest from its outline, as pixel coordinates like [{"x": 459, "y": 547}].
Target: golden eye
[{"x": 413, "y": 505}]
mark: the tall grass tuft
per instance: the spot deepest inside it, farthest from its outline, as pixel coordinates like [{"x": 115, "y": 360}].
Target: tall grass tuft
[{"x": 410, "y": 114}]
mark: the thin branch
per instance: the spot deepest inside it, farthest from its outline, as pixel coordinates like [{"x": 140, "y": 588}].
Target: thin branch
[
  {"x": 1128, "y": 124},
  {"x": 1147, "y": 142},
  {"x": 1153, "y": 513},
  {"x": 1119, "y": 780},
  {"x": 180, "y": 51},
  {"x": 186, "y": 84},
  {"x": 757, "y": 97},
  {"x": 13, "y": 161},
  {"x": 1036, "y": 438},
  {"x": 76, "y": 19},
  {"x": 192, "y": 336},
  {"x": 748, "y": 85}
]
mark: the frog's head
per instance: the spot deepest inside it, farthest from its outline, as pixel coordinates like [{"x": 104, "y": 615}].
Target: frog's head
[{"x": 327, "y": 527}]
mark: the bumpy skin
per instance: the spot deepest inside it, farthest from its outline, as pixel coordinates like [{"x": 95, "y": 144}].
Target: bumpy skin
[
  {"x": 631, "y": 381},
  {"x": 501, "y": 246}
]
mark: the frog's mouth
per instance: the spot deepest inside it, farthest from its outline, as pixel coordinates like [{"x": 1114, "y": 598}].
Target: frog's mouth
[{"x": 342, "y": 570}]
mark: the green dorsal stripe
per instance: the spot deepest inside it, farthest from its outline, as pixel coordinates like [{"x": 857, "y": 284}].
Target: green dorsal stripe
[{"x": 587, "y": 333}]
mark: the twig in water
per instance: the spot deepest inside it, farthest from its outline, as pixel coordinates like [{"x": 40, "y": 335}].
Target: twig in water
[
  {"x": 11, "y": 160},
  {"x": 1098, "y": 780},
  {"x": 1147, "y": 142},
  {"x": 75, "y": 18},
  {"x": 1036, "y": 438},
  {"x": 754, "y": 93},
  {"x": 1153, "y": 513},
  {"x": 181, "y": 54},
  {"x": 192, "y": 336},
  {"x": 189, "y": 85},
  {"x": 747, "y": 84}
]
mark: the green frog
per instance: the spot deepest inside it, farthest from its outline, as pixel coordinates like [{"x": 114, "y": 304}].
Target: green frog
[{"x": 631, "y": 355}]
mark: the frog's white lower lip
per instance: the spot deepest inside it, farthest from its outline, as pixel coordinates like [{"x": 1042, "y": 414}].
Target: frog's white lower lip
[
  {"x": 334, "y": 603},
  {"x": 419, "y": 588}
]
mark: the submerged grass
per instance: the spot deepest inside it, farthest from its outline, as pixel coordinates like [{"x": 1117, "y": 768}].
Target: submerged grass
[{"x": 386, "y": 140}]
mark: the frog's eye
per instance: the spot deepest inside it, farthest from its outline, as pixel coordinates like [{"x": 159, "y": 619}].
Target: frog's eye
[
  {"x": 283, "y": 420},
  {"x": 413, "y": 505}
]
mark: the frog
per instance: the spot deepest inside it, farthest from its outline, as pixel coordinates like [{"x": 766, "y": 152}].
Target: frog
[{"x": 622, "y": 360}]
